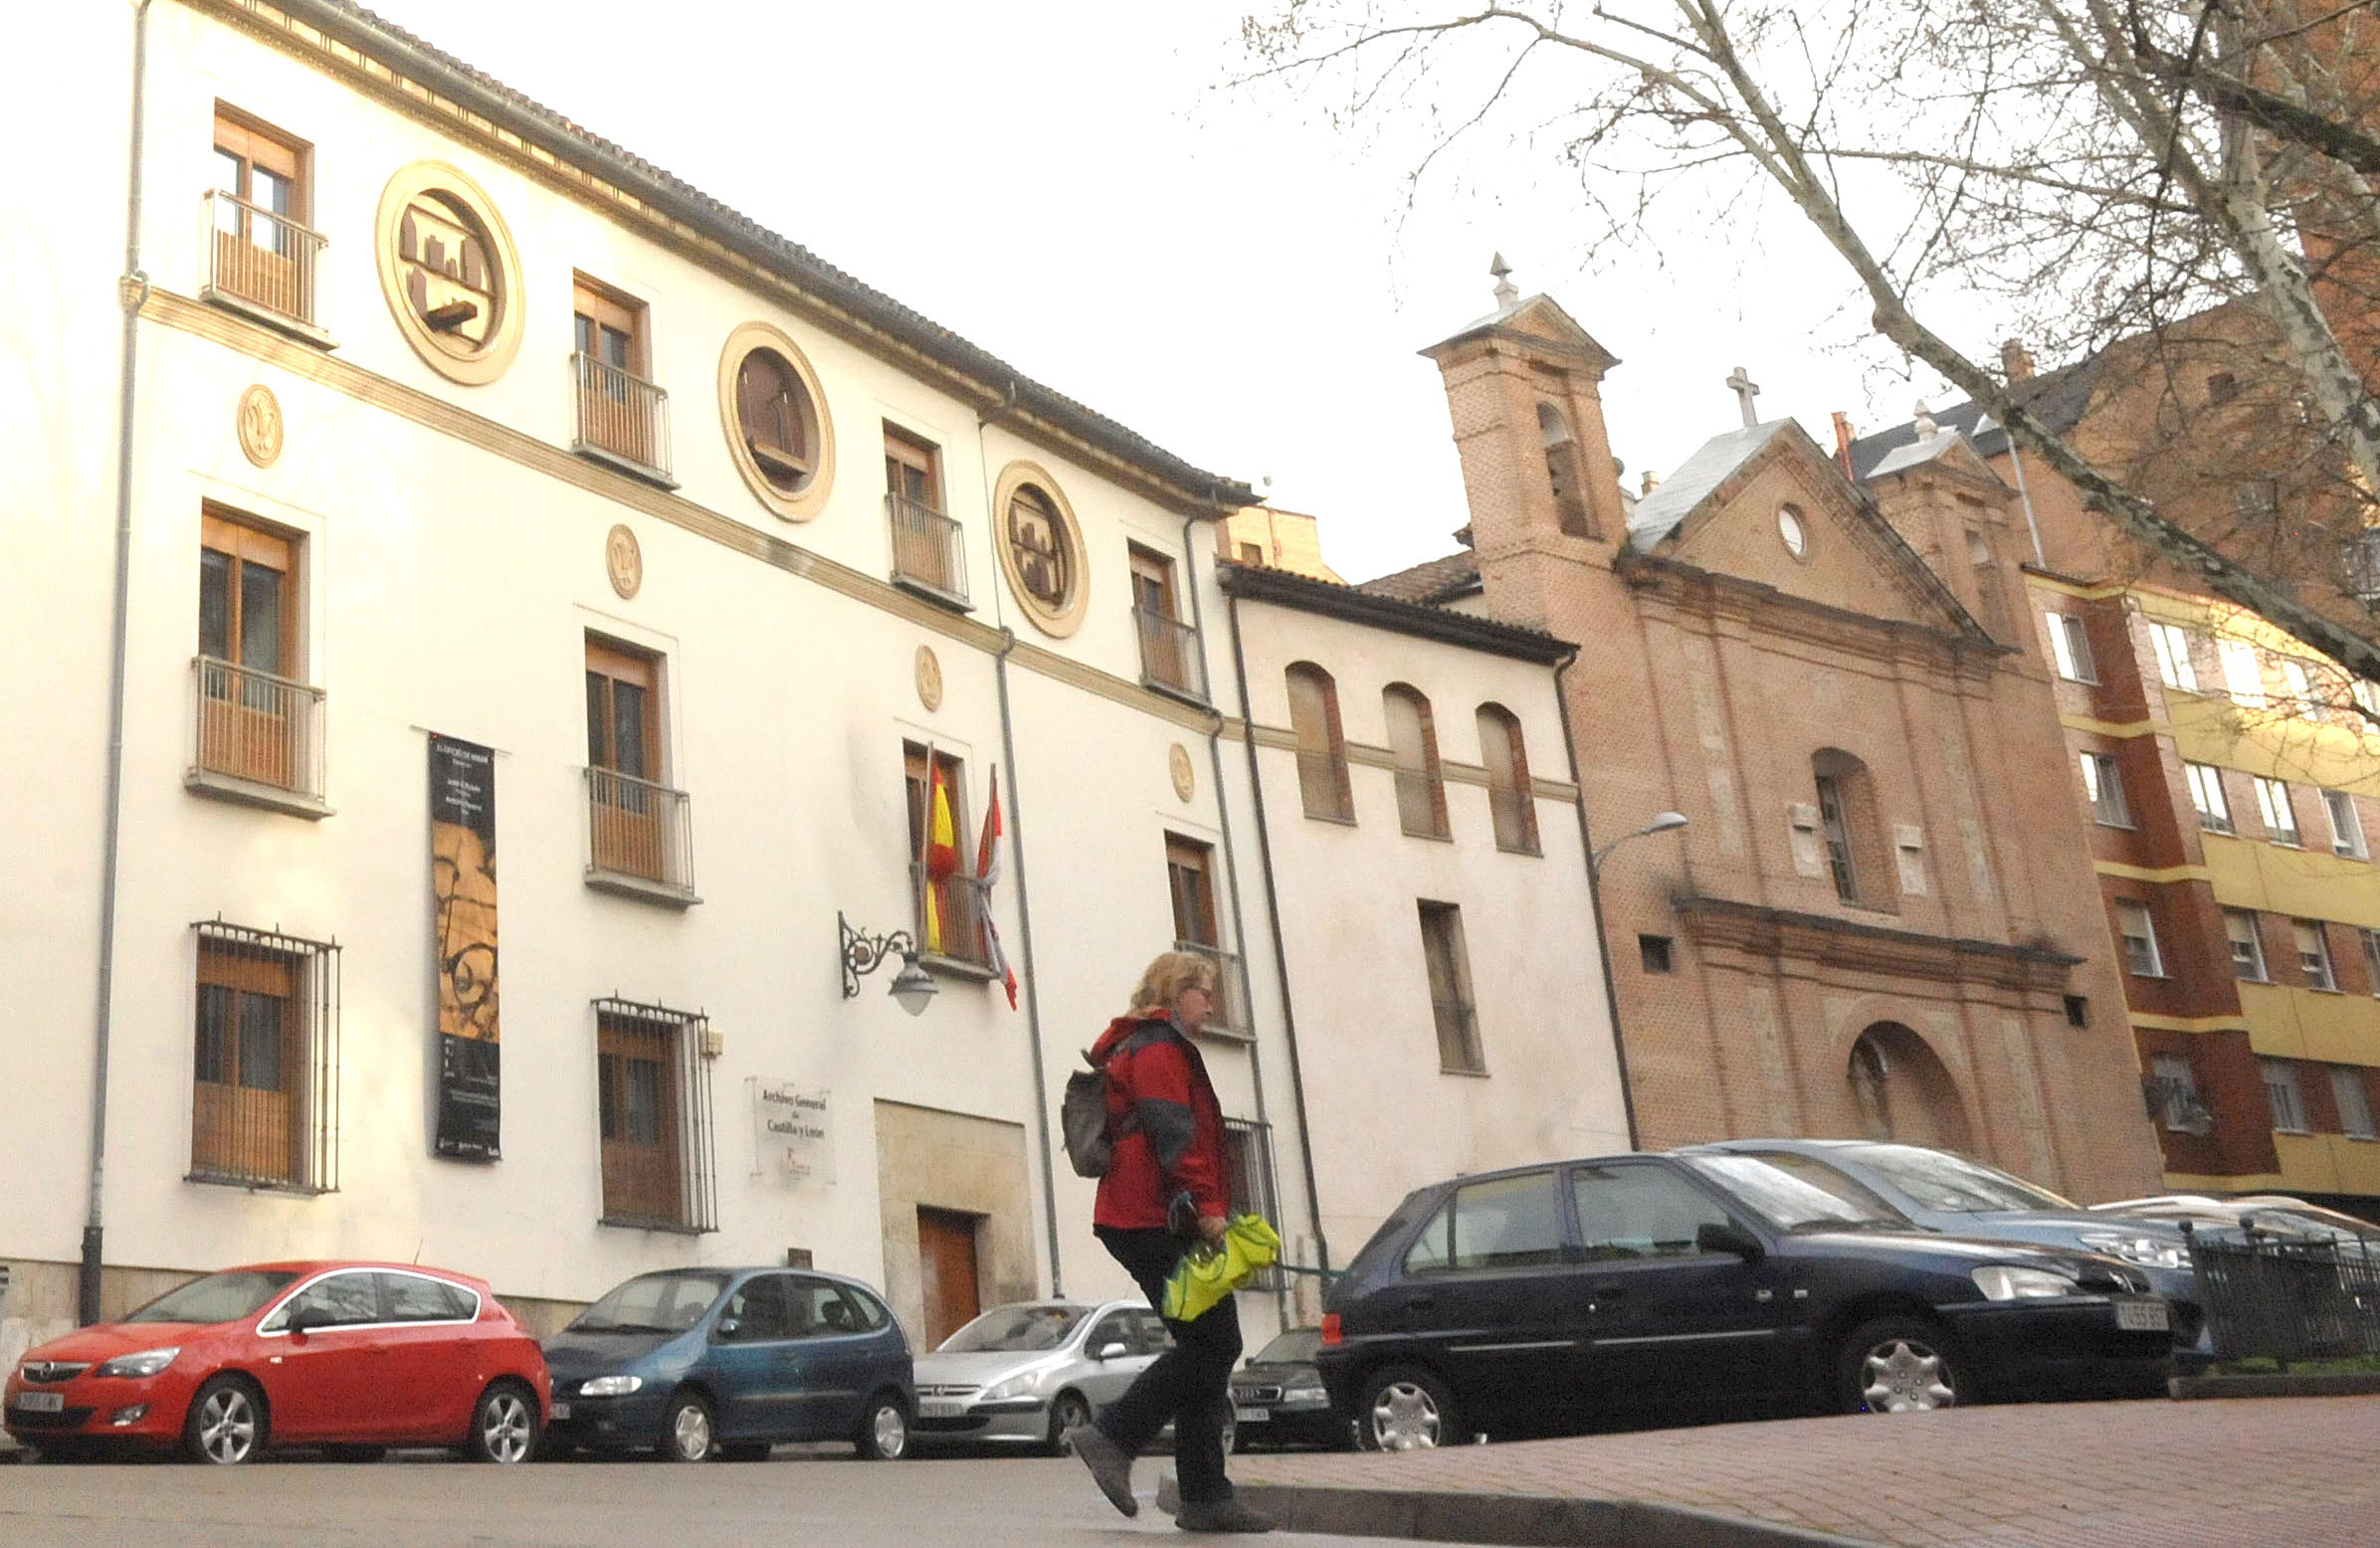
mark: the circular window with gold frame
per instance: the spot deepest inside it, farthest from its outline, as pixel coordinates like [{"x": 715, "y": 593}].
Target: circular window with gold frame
[
  {"x": 1040, "y": 545},
  {"x": 774, "y": 414},
  {"x": 448, "y": 271}
]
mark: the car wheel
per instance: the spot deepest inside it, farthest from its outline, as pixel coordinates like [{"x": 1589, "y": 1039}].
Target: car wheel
[
  {"x": 883, "y": 1432},
  {"x": 1070, "y": 1411},
  {"x": 744, "y": 1451},
  {"x": 503, "y": 1428},
  {"x": 227, "y": 1423},
  {"x": 353, "y": 1453},
  {"x": 1405, "y": 1408},
  {"x": 1899, "y": 1365},
  {"x": 687, "y": 1432}
]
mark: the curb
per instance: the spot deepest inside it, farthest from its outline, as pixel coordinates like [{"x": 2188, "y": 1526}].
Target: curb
[
  {"x": 2330, "y": 1383},
  {"x": 1521, "y": 1520}
]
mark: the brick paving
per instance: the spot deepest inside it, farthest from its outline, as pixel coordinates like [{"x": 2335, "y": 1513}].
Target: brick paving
[{"x": 2304, "y": 1472}]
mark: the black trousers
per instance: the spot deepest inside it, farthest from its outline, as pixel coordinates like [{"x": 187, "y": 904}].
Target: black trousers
[{"x": 1190, "y": 1384}]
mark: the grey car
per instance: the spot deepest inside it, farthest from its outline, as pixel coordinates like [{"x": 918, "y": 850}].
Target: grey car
[
  {"x": 1947, "y": 1192},
  {"x": 1023, "y": 1374}
]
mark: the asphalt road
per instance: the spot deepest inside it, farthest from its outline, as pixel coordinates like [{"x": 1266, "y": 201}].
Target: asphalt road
[{"x": 796, "y": 1498}]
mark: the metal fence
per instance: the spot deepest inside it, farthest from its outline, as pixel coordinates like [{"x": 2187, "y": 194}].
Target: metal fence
[
  {"x": 636, "y": 828},
  {"x": 621, "y": 414},
  {"x": 2287, "y": 1299},
  {"x": 255, "y": 726},
  {"x": 260, "y": 257},
  {"x": 1169, "y": 653},
  {"x": 925, "y": 548}
]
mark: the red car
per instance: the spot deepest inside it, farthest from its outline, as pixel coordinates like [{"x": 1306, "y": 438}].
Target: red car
[{"x": 349, "y": 1357}]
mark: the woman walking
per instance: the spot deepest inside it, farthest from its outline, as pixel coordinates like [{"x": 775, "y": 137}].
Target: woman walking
[{"x": 1164, "y": 1194}]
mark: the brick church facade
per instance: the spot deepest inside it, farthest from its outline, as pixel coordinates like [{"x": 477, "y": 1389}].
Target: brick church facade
[{"x": 1880, "y": 917}]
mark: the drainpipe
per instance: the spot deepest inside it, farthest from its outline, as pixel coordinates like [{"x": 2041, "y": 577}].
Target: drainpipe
[
  {"x": 1033, "y": 1027},
  {"x": 1281, "y": 953},
  {"x": 1231, "y": 879},
  {"x": 135, "y": 287},
  {"x": 1586, "y": 848}
]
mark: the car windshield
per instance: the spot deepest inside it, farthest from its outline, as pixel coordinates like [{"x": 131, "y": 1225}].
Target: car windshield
[
  {"x": 653, "y": 1304},
  {"x": 1938, "y": 1180},
  {"x": 1017, "y": 1329},
  {"x": 1790, "y": 1203},
  {"x": 1298, "y": 1346},
  {"x": 219, "y": 1297}
]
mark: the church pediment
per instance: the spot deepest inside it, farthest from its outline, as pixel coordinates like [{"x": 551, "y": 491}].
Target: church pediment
[{"x": 1541, "y": 326}]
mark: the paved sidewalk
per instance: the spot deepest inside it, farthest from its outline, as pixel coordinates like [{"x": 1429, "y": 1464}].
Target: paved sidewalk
[{"x": 2304, "y": 1472}]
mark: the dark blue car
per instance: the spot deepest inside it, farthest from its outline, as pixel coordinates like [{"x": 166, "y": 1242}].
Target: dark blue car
[
  {"x": 1649, "y": 1288},
  {"x": 697, "y": 1362}
]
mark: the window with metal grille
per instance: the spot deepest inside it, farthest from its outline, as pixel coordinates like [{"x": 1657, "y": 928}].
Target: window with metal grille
[
  {"x": 264, "y": 1068},
  {"x": 653, "y": 1115},
  {"x": 1248, "y": 1164}
]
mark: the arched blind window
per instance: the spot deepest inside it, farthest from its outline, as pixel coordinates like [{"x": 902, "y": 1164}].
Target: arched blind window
[
  {"x": 1322, "y": 746},
  {"x": 1507, "y": 761},
  {"x": 1412, "y": 740}
]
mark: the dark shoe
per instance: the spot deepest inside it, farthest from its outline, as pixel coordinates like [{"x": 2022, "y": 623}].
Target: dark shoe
[
  {"x": 1110, "y": 1466},
  {"x": 1221, "y": 1515}
]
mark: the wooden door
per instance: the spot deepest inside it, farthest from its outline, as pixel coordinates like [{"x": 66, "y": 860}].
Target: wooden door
[
  {"x": 948, "y": 1271},
  {"x": 251, "y": 718},
  {"x": 629, "y": 831},
  {"x": 637, "y": 1081},
  {"x": 612, "y": 412},
  {"x": 255, "y": 249}
]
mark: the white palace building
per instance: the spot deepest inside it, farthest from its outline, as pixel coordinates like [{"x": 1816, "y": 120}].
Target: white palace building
[{"x": 499, "y": 619}]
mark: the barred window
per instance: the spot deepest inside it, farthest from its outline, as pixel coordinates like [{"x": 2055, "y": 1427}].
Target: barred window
[
  {"x": 265, "y": 1065},
  {"x": 652, "y": 1106},
  {"x": 1248, "y": 1161}
]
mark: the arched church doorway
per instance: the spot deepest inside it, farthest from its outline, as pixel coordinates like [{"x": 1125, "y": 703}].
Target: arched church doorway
[{"x": 1902, "y": 1091}]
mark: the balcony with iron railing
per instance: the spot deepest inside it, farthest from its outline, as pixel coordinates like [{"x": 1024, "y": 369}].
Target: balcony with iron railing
[
  {"x": 640, "y": 839},
  {"x": 927, "y": 555},
  {"x": 255, "y": 738},
  {"x": 951, "y": 917},
  {"x": 622, "y": 418},
  {"x": 1230, "y": 1013},
  {"x": 262, "y": 263},
  {"x": 1170, "y": 660}
]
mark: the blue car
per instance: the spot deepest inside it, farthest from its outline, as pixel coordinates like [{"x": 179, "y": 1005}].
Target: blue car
[{"x": 697, "y": 1362}]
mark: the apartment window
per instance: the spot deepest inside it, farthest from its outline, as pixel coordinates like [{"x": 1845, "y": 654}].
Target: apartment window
[
  {"x": 2104, "y": 786},
  {"x": 619, "y": 411},
  {"x": 2243, "y": 674},
  {"x": 2139, "y": 936},
  {"x": 1653, "y": 952},
  {"x": 2313, "y": 954},
  {"x": 1413, "y": 742},
  {"x": 2346, "y": 826},
  {"x": 2077, "y": 1010},
  {"x": 257, "y": 720},
  {"x": 652, "y": 1099},
  {"x": 2069, "y": 646},
  {"x": 1248, "y": 1182},
  {"x": 2284, "y": 1095},
  {"x": 2353, "y": 1099},
  {"x": 1190, "y": 882},
  {"x": 2172, "y": 645},
  {"x": 2246, "y": 945},
  {"x": 636, "y": 823},
  {"x": 1562, "y": 472},
  {"x": 2303, "y": 700},
  {"x": 2173, "y": 1088},
  {"x": 1448, "y": 964},
  {"x": 926, "y": 551},
  {"x": 2207, "y": 798},
  {"x": 1510, "y": 801},
  {"x": 2273, "y": 804},
  {"x": 265, "y": 1073},
  {"x": 263, "y": 251},
  {"x": 949, "y": 898},
  {"x": 1321, "y": 745},
  {"x": 1169, "y": 653},
  {"x": 2371, "y": 956}
]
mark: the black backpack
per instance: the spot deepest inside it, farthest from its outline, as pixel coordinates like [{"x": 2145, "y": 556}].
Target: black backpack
[{"x": 1082, "y": 1111}]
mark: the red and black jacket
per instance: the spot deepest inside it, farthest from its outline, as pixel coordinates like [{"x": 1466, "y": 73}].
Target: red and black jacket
[{"x": 1157, "y": 1078}]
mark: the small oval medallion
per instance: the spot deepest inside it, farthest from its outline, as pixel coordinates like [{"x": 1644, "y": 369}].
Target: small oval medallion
[
  {"x": 624, "y": 560},
  {"x": 260, "y": 425},
  {"x": 1185, "y": 776},
  {"x": 929, "y": 677}
]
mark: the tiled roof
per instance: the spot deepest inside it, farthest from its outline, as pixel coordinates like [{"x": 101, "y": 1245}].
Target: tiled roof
[
  {"x": 352, "y": 24},
  {"x": 1430, "y": 581},
  {"x": 2057, "y": 398},
  {"x": 1360, "y": 604}
]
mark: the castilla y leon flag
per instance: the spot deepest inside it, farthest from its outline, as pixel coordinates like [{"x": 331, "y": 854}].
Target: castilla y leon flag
[{"x": 987, "y": 867}]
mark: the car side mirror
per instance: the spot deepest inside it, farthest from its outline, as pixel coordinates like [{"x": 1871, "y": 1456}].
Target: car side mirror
[
  {"x": 308, "y": 1319},
  {"x": 1109, "y": 1352},
  {"x": 727, "y": 1327},
  {"x": 1727, "y": 1237}
]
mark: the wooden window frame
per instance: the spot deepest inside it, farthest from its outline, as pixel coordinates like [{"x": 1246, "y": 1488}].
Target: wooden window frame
[
  {"x": 601, "y": 307},
  {"x": 1190, "y": 880},
  {"x": 964, "y": 942},
  {"x": 666, "y": 1182},
  {"x": 245, "y": 543},
  {"x": 282, "y": 1135},
  {"x": 1157, "y": 570},
  {"x": 615, "y": 664},
  {"x": 903, "y": 451},
  {"x": 788, "y": 461}
]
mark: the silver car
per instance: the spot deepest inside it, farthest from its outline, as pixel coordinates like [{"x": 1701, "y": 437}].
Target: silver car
[{"x": 1025, "y": 1373}]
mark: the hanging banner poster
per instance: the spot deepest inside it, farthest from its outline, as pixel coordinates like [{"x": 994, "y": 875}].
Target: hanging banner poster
[{"x": 462, "y": 927}]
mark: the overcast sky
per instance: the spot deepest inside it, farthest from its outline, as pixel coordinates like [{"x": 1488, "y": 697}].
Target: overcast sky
[{"x": 1075, "y": 186}]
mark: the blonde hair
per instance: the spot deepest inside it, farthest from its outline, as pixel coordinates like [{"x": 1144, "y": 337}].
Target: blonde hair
[{"x": 1162, "y": 981}]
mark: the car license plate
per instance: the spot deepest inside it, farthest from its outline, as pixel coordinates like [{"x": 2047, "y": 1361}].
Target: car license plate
[
  {"x": 938, "y": 1408},
  {"x": 2146, "y": 1316},
  {"x": 41, "y": 1402},
  {"x": 1251, "y": 1416},
  {"x": 557, "y": 1411}
]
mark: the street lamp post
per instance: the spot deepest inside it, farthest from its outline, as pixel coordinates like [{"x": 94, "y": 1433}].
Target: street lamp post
[{"x": 1662, "y": 822}]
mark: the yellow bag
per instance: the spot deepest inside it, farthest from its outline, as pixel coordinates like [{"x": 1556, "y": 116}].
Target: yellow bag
[{"x": 1209, "y": 1273}]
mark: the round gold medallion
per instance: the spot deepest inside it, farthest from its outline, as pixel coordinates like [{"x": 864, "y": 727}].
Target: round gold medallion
[
  {"x": 929, "y": 677},
  {"x": 260, "y": 425},
  {"x": 625, "y": 561},
  {"x": 1185, "y": 774}
]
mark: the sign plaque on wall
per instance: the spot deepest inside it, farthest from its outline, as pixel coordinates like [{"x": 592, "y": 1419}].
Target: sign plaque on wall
[
  {"x": 463, "y": 930},
  {"x": 793, "y": 1130}
]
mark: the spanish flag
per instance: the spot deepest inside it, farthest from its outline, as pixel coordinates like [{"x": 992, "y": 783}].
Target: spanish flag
[{"x": 941, "y": 857}]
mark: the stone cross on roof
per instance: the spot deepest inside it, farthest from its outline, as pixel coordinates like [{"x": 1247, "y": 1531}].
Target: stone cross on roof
[{"x": 1740, "y": 384}]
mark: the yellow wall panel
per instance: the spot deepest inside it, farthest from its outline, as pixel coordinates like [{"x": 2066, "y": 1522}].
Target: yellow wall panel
[
  {"x": 2305, "y": 883},
  {"x": 2306, "y": 1164},
  {"x": 2355, "y": 1162},
  {"x": 2273, "y": 1024},
  {"x": 2338, "y": 1029}
]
